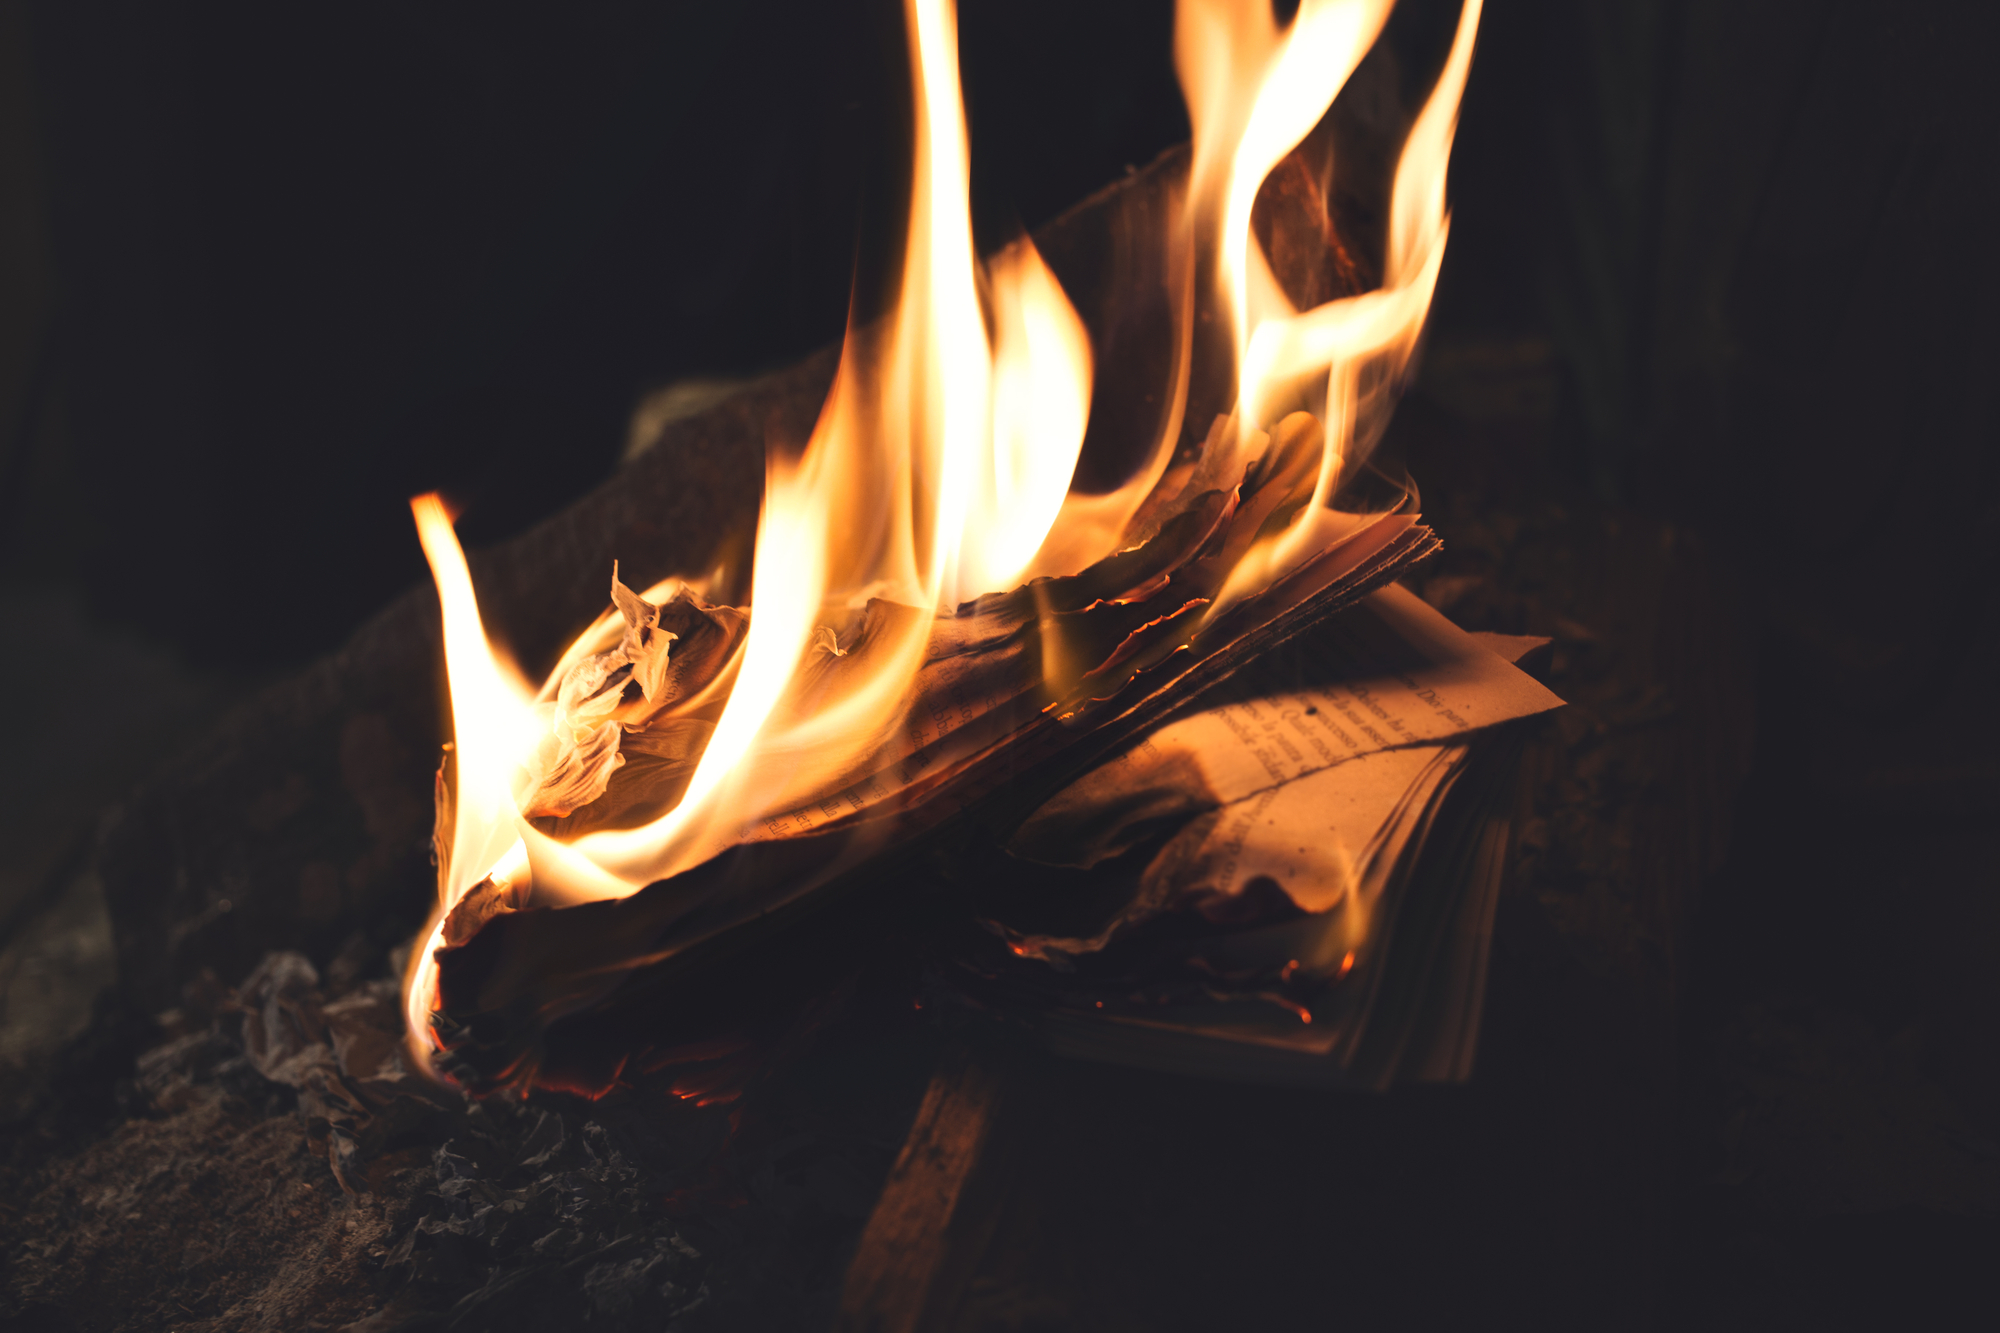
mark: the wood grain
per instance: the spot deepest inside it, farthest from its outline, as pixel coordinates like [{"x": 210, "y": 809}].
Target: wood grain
[{"x": 911, "y": 1233}]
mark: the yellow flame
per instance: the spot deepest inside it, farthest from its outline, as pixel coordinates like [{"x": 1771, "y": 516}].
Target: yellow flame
[
  {"x": 1363, "y": 344},
  {"x": 1253, "y": 92},
  {"x": 935, "y": 472},
  {"x": 1041, "y": 404},
  {"x": 490, "y": 729},
  {"x": 490, "y": 723},
  {"x": 1385, "y": 322},
  {"x": 493, "y": 726}
]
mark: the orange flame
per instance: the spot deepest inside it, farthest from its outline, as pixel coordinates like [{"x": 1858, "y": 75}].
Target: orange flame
[
  {"x": 960, "y": 448},
  {"x": 1253, "y": 92},
  {"x": 489, "y": 720},
  {"x": 1363, "y": 344}
]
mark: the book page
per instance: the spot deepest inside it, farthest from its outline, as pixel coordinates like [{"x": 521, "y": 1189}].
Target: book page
[{"x": 1388, "y": 674}]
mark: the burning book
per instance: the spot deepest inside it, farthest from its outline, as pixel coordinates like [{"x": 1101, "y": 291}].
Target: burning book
[
  {"x": 943, "y": 641},
  {"x": 1295, "y": 884}
]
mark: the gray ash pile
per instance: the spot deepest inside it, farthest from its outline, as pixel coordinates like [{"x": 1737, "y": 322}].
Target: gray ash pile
[{"x": 276, "y": 1167}]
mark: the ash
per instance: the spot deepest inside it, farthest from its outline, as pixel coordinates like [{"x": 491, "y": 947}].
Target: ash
[
  {"x": 547, "y": 1218},
  {"x": 261, "y": 1159}
]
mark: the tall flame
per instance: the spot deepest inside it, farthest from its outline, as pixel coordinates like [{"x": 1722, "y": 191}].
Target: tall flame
[
  {"x": 1383, "y": 323},
  {"x": 489, "y": 703},
  {"x": 489, "y": 720},
  {"x": 959, "y": 448},
  {"x": 1362, "y": 344},
  {"x": 1254, "y": 91}
]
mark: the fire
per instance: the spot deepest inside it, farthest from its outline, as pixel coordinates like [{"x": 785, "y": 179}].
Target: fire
[
  {"x": 1363, "y": 344},
  {"x": 963, "y": 446},
  {"x": 1254, "y": 90},
  {"x": 940, "y": 470}
]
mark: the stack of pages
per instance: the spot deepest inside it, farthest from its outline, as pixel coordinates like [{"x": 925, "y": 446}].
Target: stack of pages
[{"x": 1295, "y": 884}]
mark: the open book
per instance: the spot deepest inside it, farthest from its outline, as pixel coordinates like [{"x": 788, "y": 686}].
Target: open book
[{"x": 1295, "y": 884}]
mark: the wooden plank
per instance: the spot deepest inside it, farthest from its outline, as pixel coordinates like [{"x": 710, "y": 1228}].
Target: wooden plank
[{"x": 911, "y": 1233}]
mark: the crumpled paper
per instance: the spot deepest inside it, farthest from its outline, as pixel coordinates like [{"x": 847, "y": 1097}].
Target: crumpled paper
[
  {"x": 343, "y": 1057},
  {"x": 574, "y": 762}
]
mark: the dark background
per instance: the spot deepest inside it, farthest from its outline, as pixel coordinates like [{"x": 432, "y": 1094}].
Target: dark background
[{"x": 266, "y": 270}]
